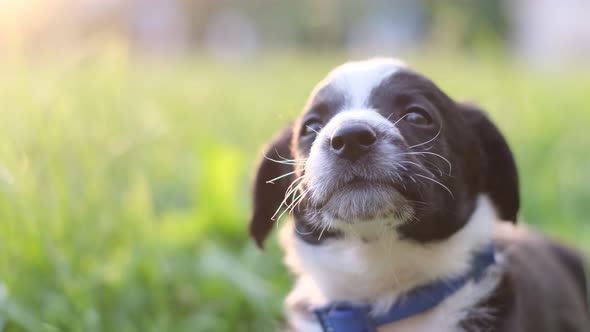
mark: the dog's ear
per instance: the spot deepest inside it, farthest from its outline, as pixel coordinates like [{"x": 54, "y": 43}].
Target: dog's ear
[
  {"x": 498, "y": 165},
  {"x": 268, "y": 195}
]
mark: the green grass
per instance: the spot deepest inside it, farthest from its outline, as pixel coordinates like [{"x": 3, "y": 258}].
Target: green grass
[{"x": 124, "y": 187}]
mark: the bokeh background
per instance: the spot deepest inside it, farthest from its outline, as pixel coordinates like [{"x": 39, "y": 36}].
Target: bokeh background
[{"x": 129, "y": 131}]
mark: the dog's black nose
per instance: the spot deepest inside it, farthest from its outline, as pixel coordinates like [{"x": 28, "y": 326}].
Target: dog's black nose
[{"x": 352, "y": 141}]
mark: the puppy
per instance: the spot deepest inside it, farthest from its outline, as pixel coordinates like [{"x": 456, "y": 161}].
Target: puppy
[{"x": 404, "y": 204}]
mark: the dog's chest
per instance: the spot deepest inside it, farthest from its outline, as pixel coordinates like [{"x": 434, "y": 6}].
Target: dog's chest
[
  {"x": 446, "y": 317},
  {"x": 375, "y": 269}
]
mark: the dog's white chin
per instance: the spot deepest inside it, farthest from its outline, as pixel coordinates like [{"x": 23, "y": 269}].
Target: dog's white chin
[{"x": 361, "y": 202}]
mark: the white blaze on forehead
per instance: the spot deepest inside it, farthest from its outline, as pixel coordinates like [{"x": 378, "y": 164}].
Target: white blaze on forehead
[{"x": 356, "y": 80}]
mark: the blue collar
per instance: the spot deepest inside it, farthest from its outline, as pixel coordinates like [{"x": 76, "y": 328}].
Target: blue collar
[{"x": 346, "y": 317}]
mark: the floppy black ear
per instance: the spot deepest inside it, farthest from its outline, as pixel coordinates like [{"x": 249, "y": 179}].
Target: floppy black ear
[
  {"x": 498, "y": 166},
  {"x": 268, "y": 196}
]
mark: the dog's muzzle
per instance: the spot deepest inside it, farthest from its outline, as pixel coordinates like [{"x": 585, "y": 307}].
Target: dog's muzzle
[{"x": 353, "y": 167}]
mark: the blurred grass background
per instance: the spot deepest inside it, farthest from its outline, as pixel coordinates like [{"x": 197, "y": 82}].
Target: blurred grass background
[
  {"x": 124, "y": 186},
  {"x": 129, "y": 131}
]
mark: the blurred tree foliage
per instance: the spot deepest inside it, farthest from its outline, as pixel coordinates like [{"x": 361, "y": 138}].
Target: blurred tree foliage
[
  {"x": 312, "y": 24},
  {"x": 325, "y": 24}
]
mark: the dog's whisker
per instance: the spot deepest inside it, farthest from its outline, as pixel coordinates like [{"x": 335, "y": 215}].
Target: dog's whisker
[
  {"x": 291, "y": 190},
  {"x": 402, "y": 166},
  {"x": 298, "y": 200},
  {"x": 439, "y": 183},
  {"x": 287, "y": 159},
  {"x": 411, "y": 163},
  {"x": 289, "y": 194},
  {"x": 302, "y": 233},
  {"x": 398, "y": 120},
  {"x": 322, "y": 232},
  {"x": 416, "y": 202},
  {"x": 422, "y": 167},
  {"x": 285, "y": 211},
  {"x": 294, "y": 184},
  {"x": 272, "y": 181},
  {"x": 432, "y": 154},
  {"x": 441, "y": 173},
  {"x": 284, "y": 162},
  {"x": 430, "y": 140},
  {"x": 315, "y": 131}
]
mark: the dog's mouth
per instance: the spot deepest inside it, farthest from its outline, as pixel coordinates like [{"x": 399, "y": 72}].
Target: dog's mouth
[
  {"x": 358, "y": 189},
  {"x": 362, "y": 184},
  {"x": 358, "y": 182},
  {"x": 361, "y": 199}
]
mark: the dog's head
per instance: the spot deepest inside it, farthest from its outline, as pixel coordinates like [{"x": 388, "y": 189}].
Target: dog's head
[{"x": 378, "y": 142}]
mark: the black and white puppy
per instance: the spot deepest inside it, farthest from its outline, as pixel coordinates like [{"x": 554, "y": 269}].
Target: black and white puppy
[{"x": 396, "y": 190}]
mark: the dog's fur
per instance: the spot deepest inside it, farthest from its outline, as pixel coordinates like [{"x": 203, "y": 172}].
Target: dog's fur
[{"x": 436, "y": 183}]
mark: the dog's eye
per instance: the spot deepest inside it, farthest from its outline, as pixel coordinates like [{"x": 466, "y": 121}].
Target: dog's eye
[
  {"x": 418, "y": 116},
  {"x": 311, "y": 127}
]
